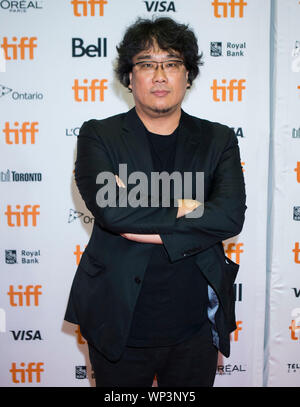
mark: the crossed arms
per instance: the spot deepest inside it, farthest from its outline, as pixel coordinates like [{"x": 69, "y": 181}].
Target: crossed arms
[{"x": 223, "y": 215}]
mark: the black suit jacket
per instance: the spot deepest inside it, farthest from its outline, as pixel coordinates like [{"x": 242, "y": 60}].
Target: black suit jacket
[{"x": 109, "y": 276}]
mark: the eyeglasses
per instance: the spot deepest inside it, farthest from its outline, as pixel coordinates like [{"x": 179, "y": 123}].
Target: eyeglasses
[{"x": 170, "y": 66}]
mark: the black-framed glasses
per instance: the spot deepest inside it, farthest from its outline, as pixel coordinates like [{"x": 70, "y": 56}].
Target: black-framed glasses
[{"x": 169, "y": 66}]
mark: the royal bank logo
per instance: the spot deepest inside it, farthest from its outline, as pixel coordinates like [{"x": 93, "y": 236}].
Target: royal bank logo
[
  {"x": 22, "y": 6},
  {"x": 216, "y": 49},
  {"x": 80, "y": 372},
  {"x": 296, "y": 213},
  {"x": 231, "y": 49},
  {"x": 26, "y": 256},
  {"x": 10, "y": 256},
  {"x": 20, "y": 95}
]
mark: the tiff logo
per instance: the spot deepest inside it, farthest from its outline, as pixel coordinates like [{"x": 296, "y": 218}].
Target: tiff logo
[
  {"x": 11, "y": 48},
  {"x": 26, "y": 375},
  {"x": 296, "y": 251},
  {"x": 234, "y": 248},
  {"x": 295, "y": 325},
  {"x": 26, "y": 132},
  {"x": 231, "y": 92},
  {"x": 87, "y": 93},
  {"x": 297, "y": 170},
  {"x": 85, "y": 6},
  {"x": 78, "y": 253},
  {"x": 232, "y": 5},
  {"x": 236, "y": 332},
  {"x": 16, "y": 298},
  {"x": 29, "y": 211}
]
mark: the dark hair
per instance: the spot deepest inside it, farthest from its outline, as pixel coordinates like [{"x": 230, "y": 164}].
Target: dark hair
[{"x": 168, "y": 34}]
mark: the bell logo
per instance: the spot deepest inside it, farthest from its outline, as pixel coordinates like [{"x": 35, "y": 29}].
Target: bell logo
[
  {"x": 16, "y": 298},
  {"x": 297, "y": 170},
  {"x": 29, "y": 211},
  {"x": 296, "y": 250},
  {"x": 87, "y": 93},
  {"x": 25, "y": 133},
  {"x": 88, "y": 5},
  {"x": 26, "y": 375},
  {"x": 228, "y": 93},
  {"x": 233, "y": 5},
  {"x": 11, "y": 48},
  {"x": 236, "y": 249}
]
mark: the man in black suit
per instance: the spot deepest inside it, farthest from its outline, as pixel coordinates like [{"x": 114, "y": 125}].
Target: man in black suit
[{"x": 153, "y": 293}]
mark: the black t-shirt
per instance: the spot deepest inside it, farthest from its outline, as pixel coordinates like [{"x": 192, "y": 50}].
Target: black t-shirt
[{"x": 172, "y": 304}]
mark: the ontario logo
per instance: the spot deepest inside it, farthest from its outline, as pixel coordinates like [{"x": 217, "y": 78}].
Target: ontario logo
[{"x": 20, "y": 95}]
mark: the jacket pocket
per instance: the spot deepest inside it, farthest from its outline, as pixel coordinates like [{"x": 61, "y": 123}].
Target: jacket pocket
[{"x": 90, "y": 265}]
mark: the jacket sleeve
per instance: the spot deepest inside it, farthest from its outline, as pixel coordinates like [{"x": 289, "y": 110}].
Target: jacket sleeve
[
  {"x": 93, "y": 159},
  {"x": 224, "y": 210}
]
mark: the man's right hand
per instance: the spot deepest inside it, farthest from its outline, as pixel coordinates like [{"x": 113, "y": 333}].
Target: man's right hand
[{"x": 186, "y": 206}]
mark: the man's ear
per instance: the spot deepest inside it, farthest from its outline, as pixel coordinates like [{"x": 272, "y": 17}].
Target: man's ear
[
  {"x": 130, "y": 81},
  {"x": 188, "y": 85}
]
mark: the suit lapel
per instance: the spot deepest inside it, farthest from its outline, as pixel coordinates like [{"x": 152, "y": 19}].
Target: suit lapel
[
  {"x": 136, "y": 139},
  {"x": 186, "y": 143}
]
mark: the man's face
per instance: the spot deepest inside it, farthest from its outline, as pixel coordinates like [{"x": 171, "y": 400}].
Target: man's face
[{"x": 160, "y": 91}]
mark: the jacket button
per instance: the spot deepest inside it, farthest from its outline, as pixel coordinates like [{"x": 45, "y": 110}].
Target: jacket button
[{"x": 137, "y": 280}]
